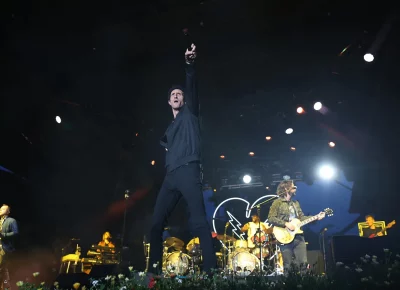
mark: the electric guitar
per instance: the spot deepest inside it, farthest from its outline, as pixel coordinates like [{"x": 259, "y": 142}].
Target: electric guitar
[
  {"x": 286, "y": 236},
  {"x": 391, "y": 224}
]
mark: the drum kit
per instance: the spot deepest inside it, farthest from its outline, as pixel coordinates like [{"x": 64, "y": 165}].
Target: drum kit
[{"x": 235, "y": 257}]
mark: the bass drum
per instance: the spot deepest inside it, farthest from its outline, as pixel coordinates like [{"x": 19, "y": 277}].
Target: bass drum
[
  {"x": 244, "y": 263},
  {"x": 177, "y": 263}
]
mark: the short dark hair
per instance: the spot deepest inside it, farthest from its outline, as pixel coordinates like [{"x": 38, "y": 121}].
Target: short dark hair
[
  {"x": 368, "y": 215},
  {"x": 175, "y": 87}
]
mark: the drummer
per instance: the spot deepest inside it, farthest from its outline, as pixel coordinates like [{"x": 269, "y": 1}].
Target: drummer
[{"x": 251, "y": 229}]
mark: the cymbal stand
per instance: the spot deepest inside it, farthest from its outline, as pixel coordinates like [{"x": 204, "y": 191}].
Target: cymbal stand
[{"x": 146, "y": 248}]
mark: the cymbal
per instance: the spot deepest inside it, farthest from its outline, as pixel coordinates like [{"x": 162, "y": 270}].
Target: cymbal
[
  {"x": 173, "y": 242},
  {"x": 225, "y": 238}
]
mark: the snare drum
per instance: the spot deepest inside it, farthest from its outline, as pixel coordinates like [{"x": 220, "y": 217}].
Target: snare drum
[{"x": 240, "y": 244}]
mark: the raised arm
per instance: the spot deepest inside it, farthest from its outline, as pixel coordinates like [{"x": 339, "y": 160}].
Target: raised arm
[{"x": 191, "y": 96}]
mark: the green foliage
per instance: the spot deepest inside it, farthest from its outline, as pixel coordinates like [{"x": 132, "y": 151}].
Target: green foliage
[{"x": 368, "y": 273}]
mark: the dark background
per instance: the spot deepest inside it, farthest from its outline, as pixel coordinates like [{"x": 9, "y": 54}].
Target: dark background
[{"x": 105, "y": 68}]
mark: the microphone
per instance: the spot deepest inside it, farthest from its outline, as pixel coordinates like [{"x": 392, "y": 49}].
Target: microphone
[
  {"x": 188, "y": 39},
  {"x": 323, "y": 230}
]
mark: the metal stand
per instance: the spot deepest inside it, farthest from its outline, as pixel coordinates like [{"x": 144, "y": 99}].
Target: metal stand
[
  {"x": 146, "y": 248},
  {"x": 323, "y": 248},
  {"x": 126, "y": 196},
  {"x": 259, "y": 229}
]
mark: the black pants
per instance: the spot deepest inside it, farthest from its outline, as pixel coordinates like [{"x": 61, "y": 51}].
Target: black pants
[
  {"x": 182, "y": 182},
  {"x": 4, "y": 271},
  {"x": 297, "y": 249}
]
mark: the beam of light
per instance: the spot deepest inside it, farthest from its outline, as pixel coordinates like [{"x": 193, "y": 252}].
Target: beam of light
[
  {"x": 344, "y": 50},
  {"x": 368, "y": 57},
  {"x": 326, "y": 172}
]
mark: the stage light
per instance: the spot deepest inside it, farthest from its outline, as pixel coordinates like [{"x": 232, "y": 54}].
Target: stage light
[
  {"x": 251, "y": 153},
  {"x": 332, "y": 144},
  {"x": 293, "y": 148},
  {"x": 222, "y": 156},
  {"x": 300, "y": 110},
  {"x": 137, "y": 134},
  {"x": 368, "y": 57},
  {"x": 215, "y": 190},
  {"x": 153, "y": 162},
  {"x": 267, "y": 188},
  {"x": 268, "y": 138},
  {"x": 289, "y": 131},
  {"x": 247, "y": 178},
  {"x": 58, "y": 119},
  {"x": 326, "y": 172},
  {"x": 317, "y": 106}
]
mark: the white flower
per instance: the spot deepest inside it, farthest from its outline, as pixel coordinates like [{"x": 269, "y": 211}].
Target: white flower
[
  {"x": 120, "y": 276},
  {"x": 397, "y": 256},
  {"x": 364, "y": 279},
  {"x": 155, "y": 265},
  {"x": 122, "y": 288},
  {"x": 126, "y": 279},
  {"x": 359, "y": 270},
  {"x": 363, "y": 260},
  {"x": 19, "y": 283},
  {"x": 347, "y": 267},
  {"x": 387, "y": 283},
  {"x": 338, "y": 264},
  {"x": 95, "y": 282},
  {"x": 224, "y": 277},
  {"x": 389, "y": 269},
  {"x": 179, "y": 281},
  {"x": 375, "y": 262},
  {"x": 374, "y": 257},
  {"x": 130, "y": 268},
  {"x": 367, "y": 257},
  {"x": 107, "y": 278},
  {"x": 299, "y": 286},
  {"x": 386, "y": 250},
  {"x": 141, "y": 274},
  {"x": 35, "y": 274}
]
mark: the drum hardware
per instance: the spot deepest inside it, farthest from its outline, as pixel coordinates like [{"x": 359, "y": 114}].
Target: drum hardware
[
  {"x": 172, "y": 242},
  {"x": 146, "y": 249}
]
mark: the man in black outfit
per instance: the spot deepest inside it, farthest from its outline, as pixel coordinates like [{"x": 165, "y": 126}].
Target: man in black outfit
[
  {"x": 8, "y": 232},
  {"x": 182, "y": 144}
]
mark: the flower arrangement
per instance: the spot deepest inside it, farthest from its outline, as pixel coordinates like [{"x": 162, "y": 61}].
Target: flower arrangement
[{"x": 368, "y": 273}]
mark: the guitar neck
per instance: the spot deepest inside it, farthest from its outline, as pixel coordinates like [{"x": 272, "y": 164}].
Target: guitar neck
[{"x": 309, "y": 220}]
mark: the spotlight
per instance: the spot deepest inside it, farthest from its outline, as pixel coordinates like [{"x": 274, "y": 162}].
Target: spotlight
[
  {"x": 300, "y": 110},
  {"x": 289, "y": 131},
  {"x": 153, "y": 162},
  {"x": 368, "y": 57},
  {"x": 251, "y": 153},
  {"x": 215, "y": 190},
  {"x": 268, "y": 138},
  {"x": 317, "y": 106},
  {"x": 326, "y": 172},
  {"x": 293, "y": 148},
  {"x": 332, "y": 144},
  {"x": 58, "y": 119},
  {"x": 247, "y": 179},
  {"x": 222, "y": 156}
]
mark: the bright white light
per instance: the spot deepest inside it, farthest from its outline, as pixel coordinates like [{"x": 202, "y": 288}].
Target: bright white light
[
  {"x": 58, "y": 119},
  {"x": 331, "y": 144},
  {"x": 246, "y": 178},
  {"x": 368, "y": 57},
  {"x": 326, "y": 172},
  {"x": 289, "y": 131},
  {"x": 300, "y": 110},
  {"x": 317, "y": 106}
]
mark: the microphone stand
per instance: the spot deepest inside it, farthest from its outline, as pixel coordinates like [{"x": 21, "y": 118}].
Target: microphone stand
[
  {"x": 126, "y": 196},
  {"x": 224, "y": 262},
  {"x": 323, "y": 247},
  {"x": 259, "y": 227}
]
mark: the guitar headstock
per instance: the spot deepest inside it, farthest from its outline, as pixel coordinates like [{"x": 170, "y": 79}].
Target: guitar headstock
[
  {"x": 328, "y": 211},
  {"x": 392, "y": 223}
]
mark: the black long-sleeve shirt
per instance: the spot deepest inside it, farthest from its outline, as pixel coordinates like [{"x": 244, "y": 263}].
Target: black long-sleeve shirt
[{"x": 182, "y": 138}]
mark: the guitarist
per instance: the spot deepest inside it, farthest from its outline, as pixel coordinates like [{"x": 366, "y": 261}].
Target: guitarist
[
  {"x": 372, "y": 231},
  {"x": 282, "y": 211},
  {"x": 8, "y": 230}
]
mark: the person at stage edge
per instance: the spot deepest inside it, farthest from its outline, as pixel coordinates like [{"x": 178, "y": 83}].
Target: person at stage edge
[
  {"x": 183, "y": 177},
  {"x": 8, "y": 232},
  {"x": 282, "y": 211}
]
